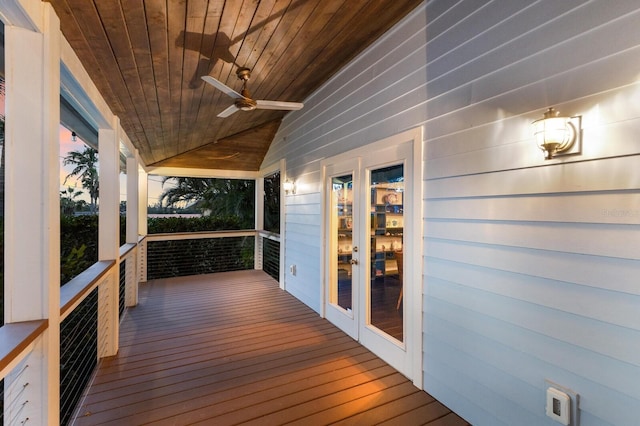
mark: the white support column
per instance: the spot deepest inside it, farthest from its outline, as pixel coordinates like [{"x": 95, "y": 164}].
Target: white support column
[
  {"x": 109, "y": 238},
  {"x": 259, "y": 222},
  {"x": 32, "y": 211},
  {"x": 133, "y": 208}
]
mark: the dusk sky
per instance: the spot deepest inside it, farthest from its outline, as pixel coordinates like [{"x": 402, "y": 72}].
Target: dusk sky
[{"x": 67, "y": 145}]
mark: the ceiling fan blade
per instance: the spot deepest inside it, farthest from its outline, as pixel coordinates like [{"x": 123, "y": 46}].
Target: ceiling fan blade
[
  {"x": 222, "y": 87},
  {"x": 290, "y": 106},
  {"x": 227, "y": 112}
]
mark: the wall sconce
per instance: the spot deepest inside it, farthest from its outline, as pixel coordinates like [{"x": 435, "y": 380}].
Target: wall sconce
[
  {"x": 558, "y": 135},
  {"x": 74, "y": 137},
  {"x": 289, "y": 187}
]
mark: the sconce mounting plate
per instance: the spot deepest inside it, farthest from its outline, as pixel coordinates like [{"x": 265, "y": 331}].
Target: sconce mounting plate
[{"x": 576, "y": 148}]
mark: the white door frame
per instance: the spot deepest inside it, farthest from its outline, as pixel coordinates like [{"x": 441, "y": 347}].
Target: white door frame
[
  {"x": 279, "y": 166},
  {"x": 346, "y": 320},
  {"x": 413, "y": 294}
]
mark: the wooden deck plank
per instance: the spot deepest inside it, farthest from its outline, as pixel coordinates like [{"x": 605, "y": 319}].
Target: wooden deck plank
[
  {"x": 428, "y": 414},
  {"x": 219, "y": 389},
  {"x": 283, "y": 406},
  {"x": 226, "y": 371},
  {"x": 233, "y": 403},
  {"x": 226, "y": 345},
  {"x": 413, "y": 400},
  {"x": 232, "y": 348}
]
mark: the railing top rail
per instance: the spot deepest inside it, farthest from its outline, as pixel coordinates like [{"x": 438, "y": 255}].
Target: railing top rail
[
  {"x": 15, "y": 338},
  {"x": 200, "y": 234},
  {"x": 78, "y": 288},
  {"x": 125, "y": 249},
  {"x": 269, "y": 235}
]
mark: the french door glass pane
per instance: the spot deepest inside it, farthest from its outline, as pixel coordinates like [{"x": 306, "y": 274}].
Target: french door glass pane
[
  {"x": 342, "y": 208},
  {"x": 387, "y": 227}
]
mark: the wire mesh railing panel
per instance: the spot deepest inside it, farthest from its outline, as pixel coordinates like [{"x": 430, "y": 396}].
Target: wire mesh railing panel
[
  {"x": 271, "y": 258},
  {"x": 122, "y": 287},
  {"x": 78, "y": 353},
  {"x": 178, "y": 258}
]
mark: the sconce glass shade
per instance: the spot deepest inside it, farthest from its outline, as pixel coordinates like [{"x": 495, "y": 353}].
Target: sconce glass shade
[
  {"x": 554, "y": 134},
  {"x": 289, "y": 187}
]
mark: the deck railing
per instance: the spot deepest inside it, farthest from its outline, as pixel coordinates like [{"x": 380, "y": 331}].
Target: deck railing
[
  {"x": 78, "y": 353},
  {"x": 269, "y": 249},
  {"x": 86, "y": 304},
  {"x": 84, "y": 307},
  {"x": 195, "y": 253}
]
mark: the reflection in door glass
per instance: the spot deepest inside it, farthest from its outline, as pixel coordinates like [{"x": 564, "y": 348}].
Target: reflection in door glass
[
  {"x": 387, "y": 226},
  {"x": 342, "y": 208}
]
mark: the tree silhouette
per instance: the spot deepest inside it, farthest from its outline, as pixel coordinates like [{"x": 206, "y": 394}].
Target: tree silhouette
[
  {"x": 84, "y": 163},
  {"x": 68, "y": 202},
  {"x": 218, "y": 197}
]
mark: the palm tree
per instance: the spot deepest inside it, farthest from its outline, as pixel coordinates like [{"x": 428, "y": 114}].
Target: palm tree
[
  {"x": 68, "y": 202},
  {"x": 85, "y": 168},
  {"x": 220, "y": 197}
]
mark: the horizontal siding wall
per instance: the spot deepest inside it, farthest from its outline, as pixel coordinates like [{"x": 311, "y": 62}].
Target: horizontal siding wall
[
  {"x": 532, "y": 266},
  {"x": 380, "y": 93}
]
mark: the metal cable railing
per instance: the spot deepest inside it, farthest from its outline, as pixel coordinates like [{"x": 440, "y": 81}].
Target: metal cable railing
[
  {"x": 122, "y": 286},
  {"x": 17, "y": 400},
  {"x": 271, "y": 258},
  {"x": 196, "y": 256},
  {"x": 78, "y": 353}
]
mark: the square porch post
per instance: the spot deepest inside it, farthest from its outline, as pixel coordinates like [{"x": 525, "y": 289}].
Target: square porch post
[{"x": 32, "y": 204}]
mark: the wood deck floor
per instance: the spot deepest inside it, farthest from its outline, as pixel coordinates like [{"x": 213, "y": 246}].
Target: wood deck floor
[{"x": 232, "y": 348}]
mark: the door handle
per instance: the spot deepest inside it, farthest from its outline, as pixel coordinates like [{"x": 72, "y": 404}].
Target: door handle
[{"x": 354, "y": 261}]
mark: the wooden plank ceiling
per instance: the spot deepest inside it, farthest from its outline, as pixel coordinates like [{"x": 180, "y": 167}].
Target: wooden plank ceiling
[{"x": 147, "y": 56}]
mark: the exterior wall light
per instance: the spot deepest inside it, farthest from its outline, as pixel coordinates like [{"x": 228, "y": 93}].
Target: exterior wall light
[
  {"x": 289, "y": 187},
  {"x": 558, "y": 135}
]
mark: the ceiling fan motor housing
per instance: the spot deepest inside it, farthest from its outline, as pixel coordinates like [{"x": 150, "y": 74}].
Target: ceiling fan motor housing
[{"x": 246, "y": 104}]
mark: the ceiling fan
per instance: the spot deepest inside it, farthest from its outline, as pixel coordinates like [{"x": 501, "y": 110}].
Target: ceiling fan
[{"x": 243, "y": 99}]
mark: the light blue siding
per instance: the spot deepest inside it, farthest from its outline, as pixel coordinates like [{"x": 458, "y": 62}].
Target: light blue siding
[{"x": 530, "y": 267}]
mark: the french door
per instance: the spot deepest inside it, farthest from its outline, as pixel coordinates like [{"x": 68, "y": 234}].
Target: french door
[{"x": 367, "y": 204}]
